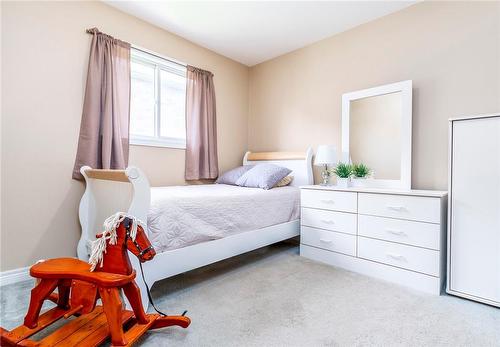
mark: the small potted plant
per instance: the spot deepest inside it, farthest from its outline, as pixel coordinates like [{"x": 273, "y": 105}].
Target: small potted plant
[
  {"x": 360, "y": 172},
  {"x": 343, "y": 172}
]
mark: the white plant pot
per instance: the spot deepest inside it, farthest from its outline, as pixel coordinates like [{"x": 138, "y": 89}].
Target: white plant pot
[
  {"x": 343, "y": 182},
  {"x": 359, "y": 182}
]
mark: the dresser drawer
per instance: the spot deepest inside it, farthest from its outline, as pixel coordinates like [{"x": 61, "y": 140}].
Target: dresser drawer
[
  {"x": 329, "y": 200},
  {"x": 424, "y": 209},
  {"x": 403, "y": 231},
  {"x": 407, "y": 257},
  {"x": 331, "y": 220},
  {"x": 329, "y": 240}
]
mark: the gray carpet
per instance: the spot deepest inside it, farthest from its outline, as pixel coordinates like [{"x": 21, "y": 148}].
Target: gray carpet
[{"x": 273, "y": 297}]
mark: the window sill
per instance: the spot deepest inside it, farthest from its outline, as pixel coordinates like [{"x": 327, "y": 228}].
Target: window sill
[{"x": 154, "y": 142}]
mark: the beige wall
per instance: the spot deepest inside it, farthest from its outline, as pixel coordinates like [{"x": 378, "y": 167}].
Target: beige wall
[
  {"x": 451, "y": 51},
  {"x": 44, "y": 61}
]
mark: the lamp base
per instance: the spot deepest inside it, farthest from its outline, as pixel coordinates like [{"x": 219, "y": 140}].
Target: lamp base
[{"x": 325, "y": 175}]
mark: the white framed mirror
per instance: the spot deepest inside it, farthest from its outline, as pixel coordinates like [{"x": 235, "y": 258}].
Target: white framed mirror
[{"x": 376, "y": 131}]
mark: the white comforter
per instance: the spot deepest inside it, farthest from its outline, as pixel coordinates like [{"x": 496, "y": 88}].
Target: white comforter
[{"x": 185, "y": 215}]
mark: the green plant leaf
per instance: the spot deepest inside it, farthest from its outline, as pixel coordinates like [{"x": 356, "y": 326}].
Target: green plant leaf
[
  {"x": 343, "y": 170},
  {"x": 360, "y": 170}
]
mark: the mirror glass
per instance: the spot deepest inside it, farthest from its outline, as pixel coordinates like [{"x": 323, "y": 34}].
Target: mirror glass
[{"x": 375, "y": 134}]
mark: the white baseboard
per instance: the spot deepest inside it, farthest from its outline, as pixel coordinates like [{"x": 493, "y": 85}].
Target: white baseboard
[{"x": 14, "y": 276}]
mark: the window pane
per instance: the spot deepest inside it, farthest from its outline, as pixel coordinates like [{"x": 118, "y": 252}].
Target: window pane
[
  {"x": 142, "y": 100},
  {"x": 173, "y": 103}
]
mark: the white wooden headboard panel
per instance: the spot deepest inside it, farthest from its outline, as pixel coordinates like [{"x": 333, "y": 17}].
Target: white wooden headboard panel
[
  {"x": 108, "y": 192},
  {"x": 299, "y": 162}
]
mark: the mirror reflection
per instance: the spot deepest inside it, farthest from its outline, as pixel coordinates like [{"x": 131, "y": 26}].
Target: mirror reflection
[{"x": 375, "y": 134}]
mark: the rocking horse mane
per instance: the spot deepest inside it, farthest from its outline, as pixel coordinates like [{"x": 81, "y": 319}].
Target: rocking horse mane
[{"x": 110, "y": 224}]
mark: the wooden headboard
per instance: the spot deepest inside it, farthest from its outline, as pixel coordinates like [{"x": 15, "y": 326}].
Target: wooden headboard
[{"x": 299, "y": 162}]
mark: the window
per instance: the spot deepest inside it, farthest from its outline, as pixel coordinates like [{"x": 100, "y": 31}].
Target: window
[{"x": 157, "y": 101}]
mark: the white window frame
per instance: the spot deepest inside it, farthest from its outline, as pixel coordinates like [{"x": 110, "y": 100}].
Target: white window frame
[{"x": 159, "y": 63}]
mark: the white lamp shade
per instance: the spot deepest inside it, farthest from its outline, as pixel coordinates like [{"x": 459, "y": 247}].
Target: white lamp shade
[{"x": 325, "y": 155}]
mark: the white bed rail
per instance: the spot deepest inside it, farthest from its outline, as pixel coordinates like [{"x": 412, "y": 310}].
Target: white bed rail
[{"x": 107, "y": 192}]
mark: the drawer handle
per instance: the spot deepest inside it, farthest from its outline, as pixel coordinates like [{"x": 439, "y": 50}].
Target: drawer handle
[
  {"x": 326, "y": 241},
  {"x": 328, "y": 201},
  {"x": 396, "y": 208},
  {"x": 327, "y": 221},
  {"x": 396, "y": 256},
  {"x": 396, "y": 232}
]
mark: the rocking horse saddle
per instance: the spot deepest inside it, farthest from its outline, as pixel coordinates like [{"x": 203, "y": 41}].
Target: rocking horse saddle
[{"x": 70, "y": 268}]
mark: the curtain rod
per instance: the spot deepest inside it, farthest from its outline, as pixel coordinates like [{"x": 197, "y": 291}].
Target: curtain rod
[
  {"x": 93, "y": 31},
  {"x": 145, "y": 50}
]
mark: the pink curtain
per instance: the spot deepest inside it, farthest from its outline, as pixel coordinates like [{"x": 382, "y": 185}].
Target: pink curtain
[
  {"x": 104, "y": 129},
  {"x": 201, "y": 126}
]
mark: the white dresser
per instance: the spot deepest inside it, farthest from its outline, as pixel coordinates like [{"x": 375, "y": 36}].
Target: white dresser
[{"x": 398, "y": 236}]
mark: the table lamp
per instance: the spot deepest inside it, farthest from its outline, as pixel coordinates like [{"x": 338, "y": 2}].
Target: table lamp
[{"x": 325, "y": 155}]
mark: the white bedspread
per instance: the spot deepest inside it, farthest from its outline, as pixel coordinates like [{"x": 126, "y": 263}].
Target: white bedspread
[{"x": 185, "y": 215}]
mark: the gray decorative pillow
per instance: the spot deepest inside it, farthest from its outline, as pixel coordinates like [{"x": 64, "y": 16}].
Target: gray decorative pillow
[
  {"x": 231, "y": 176},
  {"x": 263, "y": 176}
]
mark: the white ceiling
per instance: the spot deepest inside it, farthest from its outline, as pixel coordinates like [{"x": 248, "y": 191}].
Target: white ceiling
[{"x": 251, "y": 31}]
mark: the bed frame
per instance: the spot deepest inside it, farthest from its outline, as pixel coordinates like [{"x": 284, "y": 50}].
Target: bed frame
[{"x": 110, "y": 191}]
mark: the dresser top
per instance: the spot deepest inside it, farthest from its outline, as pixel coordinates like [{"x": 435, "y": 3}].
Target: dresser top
[{"x": 414, "y": 192}]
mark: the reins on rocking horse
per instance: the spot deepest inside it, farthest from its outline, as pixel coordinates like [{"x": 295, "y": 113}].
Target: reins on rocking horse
[
  {"x": 141, "y": 252},
  {"x": 131, "y": 224}
]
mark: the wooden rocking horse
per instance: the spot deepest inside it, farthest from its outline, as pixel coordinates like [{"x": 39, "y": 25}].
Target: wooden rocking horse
[{"x": 80, "y": 284}]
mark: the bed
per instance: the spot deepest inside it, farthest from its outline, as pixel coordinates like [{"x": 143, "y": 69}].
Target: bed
[{"x": 196, "y": 225}]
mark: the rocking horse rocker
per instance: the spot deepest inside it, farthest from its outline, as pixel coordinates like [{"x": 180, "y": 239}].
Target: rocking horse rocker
[{"x": 79, "y": 286}]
